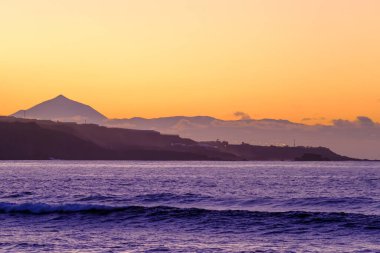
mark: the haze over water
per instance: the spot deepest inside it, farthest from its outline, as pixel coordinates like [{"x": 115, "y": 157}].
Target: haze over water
[{"x": 95, "y": 206}]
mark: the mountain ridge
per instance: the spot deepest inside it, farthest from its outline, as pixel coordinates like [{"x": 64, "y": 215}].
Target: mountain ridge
[
  {"x": 26, "y": 139},
  {"x": 62, "y": 108},
  {"x": 352, "y": 138}
]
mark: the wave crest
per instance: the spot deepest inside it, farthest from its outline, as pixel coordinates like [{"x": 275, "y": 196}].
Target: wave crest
[
  {"x": 43, "y": 208},
  {"x": 242, "y": 220}
]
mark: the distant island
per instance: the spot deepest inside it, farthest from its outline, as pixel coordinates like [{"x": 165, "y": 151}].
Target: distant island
[
  {"x": 355, "y": 138},
  {"x": 28, "y": 139}
]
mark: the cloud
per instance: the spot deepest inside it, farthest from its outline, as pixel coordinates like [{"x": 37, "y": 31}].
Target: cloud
[
  {"x": 342, "y": 123},
  {"x": 361, "y": 121},
  {"x": 313, "y": 119},
  {"x": 354, "y": 138},
  {"x": 184, "y": 124},
  {"x": 365, "y": 121},
  {"x": 242, "y": 115}
]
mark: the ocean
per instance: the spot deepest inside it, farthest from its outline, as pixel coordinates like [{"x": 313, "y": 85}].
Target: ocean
[{"x": 137, "y": 206}]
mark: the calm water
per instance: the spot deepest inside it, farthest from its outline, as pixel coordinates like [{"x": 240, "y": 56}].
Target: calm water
[{"x": 59, "y": 206}]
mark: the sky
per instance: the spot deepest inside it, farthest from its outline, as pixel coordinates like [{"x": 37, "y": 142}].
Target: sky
[{"x": 317, "y": 60}]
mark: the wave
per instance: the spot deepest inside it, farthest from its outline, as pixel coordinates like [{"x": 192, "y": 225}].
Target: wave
[
  {"x": 159, "y": 213},
  {"x": 363, "y": 205},
  {"x": 327, "y": 201},
  {"x": 18, "y": 195},
  {"x": 170, "y": 197},
  {"x": 188, "y": 198},
  {"x": 43, "y": 208}
]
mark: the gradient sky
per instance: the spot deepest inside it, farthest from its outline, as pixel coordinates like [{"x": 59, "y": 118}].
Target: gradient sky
[{"x": 290, "y": 59}]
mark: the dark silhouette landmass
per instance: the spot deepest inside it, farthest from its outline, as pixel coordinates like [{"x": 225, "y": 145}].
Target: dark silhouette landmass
[
  {"x": 355, "y": 138},
  {"x": 275, "y": 153},
  {"x": 26, "y": 139}
]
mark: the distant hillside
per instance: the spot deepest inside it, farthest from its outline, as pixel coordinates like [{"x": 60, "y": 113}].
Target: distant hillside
[
  {"x": 62, "y": 109},
  {"x": 354, "y": 138},
  {"x": 357, "y": 138},
  {"x": 25, "y": 139},
  {"x": 274, "y": 153}
]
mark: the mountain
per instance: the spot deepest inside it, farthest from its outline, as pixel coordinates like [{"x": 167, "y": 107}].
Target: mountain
[
  {"x": 26, "y": 139},
  {"x": 164, "y": 124},
  {"x": 61, "y": 108},
  {"x": 355, "y": 138}
]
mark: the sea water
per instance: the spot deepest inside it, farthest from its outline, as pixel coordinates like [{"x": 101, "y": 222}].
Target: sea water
[{"x": 135, "y": 206}]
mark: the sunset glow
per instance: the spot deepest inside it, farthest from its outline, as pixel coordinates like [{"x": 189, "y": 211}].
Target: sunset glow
[{"x": 270, "y": 59}]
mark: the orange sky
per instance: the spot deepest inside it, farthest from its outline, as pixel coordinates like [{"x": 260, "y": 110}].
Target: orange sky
[{"x": 270, "y": 58}]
